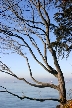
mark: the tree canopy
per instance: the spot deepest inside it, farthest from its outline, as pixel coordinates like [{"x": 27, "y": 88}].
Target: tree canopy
[
  {"x": 17, "y": 20},
  {"x": 64, "y": 27}
]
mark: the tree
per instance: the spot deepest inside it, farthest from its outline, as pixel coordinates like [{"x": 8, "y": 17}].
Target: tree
[
  {"x": 29, "y": 19},
  {"x": 64, "y": 28}
]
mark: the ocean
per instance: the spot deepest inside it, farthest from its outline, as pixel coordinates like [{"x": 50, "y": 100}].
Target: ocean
[{"x": 21, "y": 88}]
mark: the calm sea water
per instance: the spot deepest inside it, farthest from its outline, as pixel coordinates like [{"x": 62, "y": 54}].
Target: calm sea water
[{"x": 20, "y": 88}]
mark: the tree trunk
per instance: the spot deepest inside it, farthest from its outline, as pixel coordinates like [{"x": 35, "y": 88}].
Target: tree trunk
[{"x": 62, "y": 92}]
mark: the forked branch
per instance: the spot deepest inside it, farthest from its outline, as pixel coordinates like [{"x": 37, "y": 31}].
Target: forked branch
[
  {"x": 5, "y": 69},
  {"x": 49, "y": 69}
]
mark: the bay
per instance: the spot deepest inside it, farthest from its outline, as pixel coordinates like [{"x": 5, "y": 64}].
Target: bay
[{"x": 21, "y": 88}]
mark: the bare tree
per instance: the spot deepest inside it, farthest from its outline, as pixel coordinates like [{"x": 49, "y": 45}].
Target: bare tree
[{"x": 28, "y": 21}]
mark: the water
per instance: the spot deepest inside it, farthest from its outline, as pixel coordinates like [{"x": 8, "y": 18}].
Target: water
[{"x": 20, "y": 88}]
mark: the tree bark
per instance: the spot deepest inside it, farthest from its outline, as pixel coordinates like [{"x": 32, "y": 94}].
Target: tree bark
[{"x": 62, "y": 91}]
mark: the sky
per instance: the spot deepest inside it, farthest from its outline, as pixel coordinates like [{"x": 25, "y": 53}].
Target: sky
[{"x": 18, "y": 64}]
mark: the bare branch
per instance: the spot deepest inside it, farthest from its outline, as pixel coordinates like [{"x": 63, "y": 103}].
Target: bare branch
[
  {"x": 39, "y": 7},
  {"x": 34, "y": 22},
  {"x": 44, "y": 4},
  {"x": 35, "y": 45},
  {"x": 43, "y": 84},
  {"x": 36, "y": 27},
  {"x": 38, "y": 35},
  {"x": 31, "y": 52},
  {"x": 51, "y": 85},
  {"x": 25, "y": 97},
  {"x": 45, "y": 52},
  {"x": 46, "y": 14},
  {"x": 11, "y": 34},
  {"x": 26, "y": 21},
  {"x": 50, "y": 69},
  {"x": 5, "y": 69},
  {"x": 39, "y": 86}
]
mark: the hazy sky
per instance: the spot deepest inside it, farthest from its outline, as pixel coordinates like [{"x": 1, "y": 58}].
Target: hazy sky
[{"x": 19, "y": 66}]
